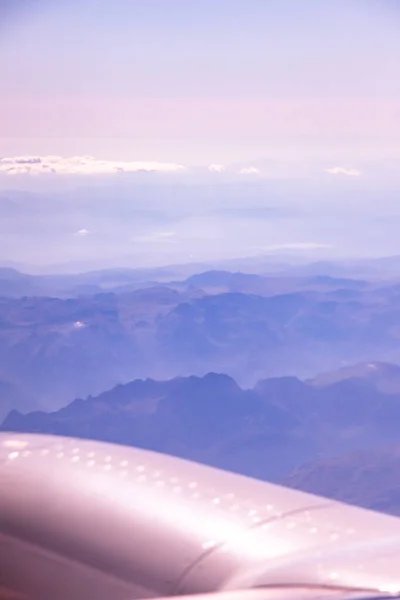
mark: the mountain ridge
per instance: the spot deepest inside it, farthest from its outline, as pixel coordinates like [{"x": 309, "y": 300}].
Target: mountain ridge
[{"x": 267, "y": 431}]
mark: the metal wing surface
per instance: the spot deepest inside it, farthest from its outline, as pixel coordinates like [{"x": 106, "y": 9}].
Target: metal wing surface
[{"x": 84, "y": 519}]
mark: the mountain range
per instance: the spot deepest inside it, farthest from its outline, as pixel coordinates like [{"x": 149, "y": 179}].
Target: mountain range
[
  {"x": 249, "y": 326},
  {"x": 283, "y": 372},
  {"x": 367, "y": 478},
  {"x": 309, "y": 435}
]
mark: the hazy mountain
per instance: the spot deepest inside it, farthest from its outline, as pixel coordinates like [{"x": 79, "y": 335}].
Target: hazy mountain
[
  {"x": 55, "y": 348},
  {"x": 209, "y": 419},
  {"x": 250, "y": 336},
  {"x": 384, "y": 376},
  {"x": 266, "y": 432},
  {"x": 367, "y": 478},
  {"x": 225, "y": 281},
  {"x": 15, "y": 283},
  {"x": 269, "y": 284},
  {"x": 362, "y": 268}
]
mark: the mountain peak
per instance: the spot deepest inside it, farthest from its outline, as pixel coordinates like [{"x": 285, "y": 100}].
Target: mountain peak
[{"x": 384, "y": 376}]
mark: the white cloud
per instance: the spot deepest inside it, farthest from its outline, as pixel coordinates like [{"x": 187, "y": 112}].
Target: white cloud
[
  {"x": 344, "y": 171},
  {"x": 82, "y": 232},
  {"x": 249, "y": 171},
  {"x": 79, "y": 165},
  {"x": 216, "y": 168}
]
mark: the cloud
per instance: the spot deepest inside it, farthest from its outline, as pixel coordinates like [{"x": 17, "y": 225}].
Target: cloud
[
  {"x": 88, "y": 165},
  {"x": 216, "y": 168},
  {"x": 82, "y": 232},
  {"x": 249, "y": 171},
  {"x": 344, "y": 171},
  {"x": 79, "y": 165}
]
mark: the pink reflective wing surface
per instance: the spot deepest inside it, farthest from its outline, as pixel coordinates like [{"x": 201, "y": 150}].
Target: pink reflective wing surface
[{"x": 80, "y": 518}]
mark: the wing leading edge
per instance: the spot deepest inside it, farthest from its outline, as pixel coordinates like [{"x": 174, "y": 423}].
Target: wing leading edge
[{"x": 83, "y": 519}]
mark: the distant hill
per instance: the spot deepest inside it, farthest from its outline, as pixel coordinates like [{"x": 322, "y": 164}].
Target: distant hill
[
  {"x": 337, "y": 282},
  {"x": 368, "y": 478},
  {"x": 225, "y": 281},
  {"x": 216, "y": 281},
  {"x": 384, "y": 376},
  {"x": 267, "y": 432},
  {"x": 56, "y": 348},
  {"x": 206, "y": 418},
  {"x": 14, "y": 284}
]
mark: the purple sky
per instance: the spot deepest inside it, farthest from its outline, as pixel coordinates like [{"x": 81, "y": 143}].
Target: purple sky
[
  {"x": 215, "y": 80},
  {"x": 294, "y": 104}
]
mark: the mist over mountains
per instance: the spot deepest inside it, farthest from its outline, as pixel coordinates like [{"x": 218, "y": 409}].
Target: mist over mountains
[
  {"x": 279, "y": 369},
  {"x": 69, "y": 336},
  {"x": 149, "y": 218}
]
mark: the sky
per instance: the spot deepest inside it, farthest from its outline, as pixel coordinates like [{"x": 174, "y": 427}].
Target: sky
[
  {"x": 272, "y": 122},
  {"x": 210, "y": 81}
]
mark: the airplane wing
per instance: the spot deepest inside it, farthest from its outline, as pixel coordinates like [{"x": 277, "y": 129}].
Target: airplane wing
[{"x": 81, "y": 519}]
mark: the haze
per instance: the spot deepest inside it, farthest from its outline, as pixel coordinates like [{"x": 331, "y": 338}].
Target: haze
[{"x": 262, "y": 126}]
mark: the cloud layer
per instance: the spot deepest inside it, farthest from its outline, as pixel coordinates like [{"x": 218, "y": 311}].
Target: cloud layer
[
  {"x": 80, "y": 165},
  {"x": 90, "y": 166}
]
